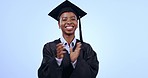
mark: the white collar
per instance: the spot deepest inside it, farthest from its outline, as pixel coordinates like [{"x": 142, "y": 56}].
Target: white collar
[{"x": 72, "y": 44}]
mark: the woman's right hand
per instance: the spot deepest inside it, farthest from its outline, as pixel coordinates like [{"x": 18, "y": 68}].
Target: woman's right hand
[{"x": 60, "y": 51}]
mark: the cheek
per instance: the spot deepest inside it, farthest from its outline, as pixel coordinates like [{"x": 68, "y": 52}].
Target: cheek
[
  {"x": 76, "y": 24},
  {"x": 60, "y": 24}
]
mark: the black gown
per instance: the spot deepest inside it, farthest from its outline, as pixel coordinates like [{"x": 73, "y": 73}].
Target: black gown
[{"x": 87, "y": 65}]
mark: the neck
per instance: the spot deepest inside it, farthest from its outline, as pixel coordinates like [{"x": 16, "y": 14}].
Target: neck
[{"x": 68, "y": 38}]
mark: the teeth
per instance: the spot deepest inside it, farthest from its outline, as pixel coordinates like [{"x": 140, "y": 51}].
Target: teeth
[{"x": 69, "y": 27}]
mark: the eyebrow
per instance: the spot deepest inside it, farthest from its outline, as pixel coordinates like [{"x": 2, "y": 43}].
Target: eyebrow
[
  {"x": 69, "y": 17},
  {"x": 66, "y": 17}
]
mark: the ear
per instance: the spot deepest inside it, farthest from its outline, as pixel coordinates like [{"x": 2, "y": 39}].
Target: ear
[
  {"x": 59, "y": 24},
  {"x": 77, "y": 24}
]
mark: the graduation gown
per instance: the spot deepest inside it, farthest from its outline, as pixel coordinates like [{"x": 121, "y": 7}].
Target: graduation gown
[{"x": 87, "y": 65}]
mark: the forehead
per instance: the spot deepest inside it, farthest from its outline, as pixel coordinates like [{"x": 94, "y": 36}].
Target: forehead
[{"x": 68, "y": 14}]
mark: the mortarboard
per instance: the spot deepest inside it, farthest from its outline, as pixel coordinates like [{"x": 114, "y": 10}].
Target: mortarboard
[{"x": 67, "y": 6}]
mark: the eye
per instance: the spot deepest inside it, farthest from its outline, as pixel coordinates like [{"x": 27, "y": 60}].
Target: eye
[
  {"x": 73, "y": 18},
  {"x": 64, "y": 19}
]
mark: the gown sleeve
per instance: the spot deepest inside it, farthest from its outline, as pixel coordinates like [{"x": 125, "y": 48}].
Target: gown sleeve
[
  {"x": 49, "y": 67},
  {"x": 87, "y": 64}
]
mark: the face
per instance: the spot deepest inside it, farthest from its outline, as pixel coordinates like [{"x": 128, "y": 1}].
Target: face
[{"x": 68, "y": 23}]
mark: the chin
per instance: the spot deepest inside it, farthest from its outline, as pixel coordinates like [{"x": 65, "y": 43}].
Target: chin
[{"x": 69, "y": 34}]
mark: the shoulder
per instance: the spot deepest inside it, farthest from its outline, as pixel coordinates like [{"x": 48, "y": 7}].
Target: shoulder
[
  {"x": 84, "y": 44},
  {"x": 52, "y": 43}
]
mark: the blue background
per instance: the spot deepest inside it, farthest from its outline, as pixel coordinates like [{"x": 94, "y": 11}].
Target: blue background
[{"x": 116, "y": 29}]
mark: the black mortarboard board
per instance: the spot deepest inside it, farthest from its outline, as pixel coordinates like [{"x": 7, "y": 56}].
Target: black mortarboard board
[{"x": 67, "y": 6}]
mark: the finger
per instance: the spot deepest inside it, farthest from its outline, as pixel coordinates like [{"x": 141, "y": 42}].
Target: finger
[
  {"x": 59, "y": 44},
  {"x": 61, "y": 54},
  {"x": 60, "y": 47},
  {"x": 71, "y": 50},
  {"x": 77, "y": 50},
  {"x": 78, "y": 45}
]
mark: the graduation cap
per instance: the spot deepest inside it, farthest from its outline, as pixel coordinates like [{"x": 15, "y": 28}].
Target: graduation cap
[{"x": 67, "y": 6}]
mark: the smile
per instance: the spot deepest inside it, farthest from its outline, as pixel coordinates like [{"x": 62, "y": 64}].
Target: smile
[{"x": 69, "y": 27}]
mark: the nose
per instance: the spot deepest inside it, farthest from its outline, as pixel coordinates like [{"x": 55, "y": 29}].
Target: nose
[{"x": 69, "y": 22}]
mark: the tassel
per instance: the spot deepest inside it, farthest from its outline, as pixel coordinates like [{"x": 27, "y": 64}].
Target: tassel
[{"x": 80, "y": 31}]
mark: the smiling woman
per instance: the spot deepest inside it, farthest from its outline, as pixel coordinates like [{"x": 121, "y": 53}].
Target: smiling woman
[{"x": 77, "y": 59}]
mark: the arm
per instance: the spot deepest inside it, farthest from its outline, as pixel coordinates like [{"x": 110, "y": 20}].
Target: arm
[
  {"x": 49, "y": 67},
  {"x": 87, "y": 64}
]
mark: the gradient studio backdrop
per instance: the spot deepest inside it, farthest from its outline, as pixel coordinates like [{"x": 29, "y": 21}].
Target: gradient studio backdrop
[{"x": 116, "y": 29}]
